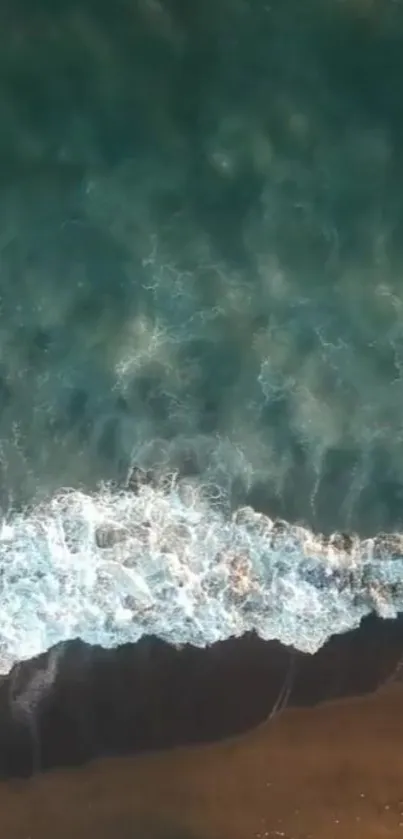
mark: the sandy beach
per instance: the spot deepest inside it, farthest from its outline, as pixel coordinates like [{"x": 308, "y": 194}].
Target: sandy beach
[
  {"x": 140, "y": 743},
  {"x": 322, "y": 773}
]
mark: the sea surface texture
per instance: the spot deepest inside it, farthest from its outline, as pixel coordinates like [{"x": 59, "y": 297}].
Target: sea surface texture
[{"x": 201, "y": 225}]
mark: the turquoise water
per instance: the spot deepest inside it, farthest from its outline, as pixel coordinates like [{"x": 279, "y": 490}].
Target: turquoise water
[{"x": 200, "y": 252}]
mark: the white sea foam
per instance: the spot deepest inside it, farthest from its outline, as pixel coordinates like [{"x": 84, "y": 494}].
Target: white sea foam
[{"x": 166, "y": 559}]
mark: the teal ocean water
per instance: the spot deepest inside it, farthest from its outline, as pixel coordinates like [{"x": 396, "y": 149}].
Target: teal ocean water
[{"x": 200, "y": 274}]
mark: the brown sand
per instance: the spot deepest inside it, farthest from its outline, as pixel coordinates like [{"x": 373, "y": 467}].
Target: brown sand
[
  {"x": 333, "y": 771},
  {"x": 321, "y": 771}
]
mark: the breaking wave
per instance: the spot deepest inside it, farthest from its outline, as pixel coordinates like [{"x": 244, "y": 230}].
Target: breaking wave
[{"x": 167, "y": 558}]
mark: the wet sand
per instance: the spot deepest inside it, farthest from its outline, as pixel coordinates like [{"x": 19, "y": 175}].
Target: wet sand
[
  {"x": 76, "y": 702},
  {"x": 331, "y": 771},
  {"x": 311, "y": 770}
]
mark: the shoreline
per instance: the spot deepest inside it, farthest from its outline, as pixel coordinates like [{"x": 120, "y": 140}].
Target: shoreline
[
  {"x": 151, "y": 696},
  {"x": 312, "y": 773}
]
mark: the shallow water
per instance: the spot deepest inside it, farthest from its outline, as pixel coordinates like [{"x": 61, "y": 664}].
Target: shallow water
[
  {"x": 200, "y": 243},
  {"x": 200, "y": 273}
]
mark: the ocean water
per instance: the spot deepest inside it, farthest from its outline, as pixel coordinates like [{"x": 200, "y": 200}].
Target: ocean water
[
  {"x": 111, "y": 567},
  {"x": 200, "y": 275}
]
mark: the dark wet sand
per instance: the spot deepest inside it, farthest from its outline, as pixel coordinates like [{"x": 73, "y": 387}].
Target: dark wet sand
[
  {"x": 151, "y": 696},
  {"x": 328, "y": 770},
  {"x": 333, "y": 771}
]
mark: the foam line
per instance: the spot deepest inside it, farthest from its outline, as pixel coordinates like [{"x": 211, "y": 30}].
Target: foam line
[{"x": 167, "y": 560}]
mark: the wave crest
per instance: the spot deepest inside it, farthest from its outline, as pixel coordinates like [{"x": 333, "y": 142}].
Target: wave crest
[{"x": 165, "y": 558}]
